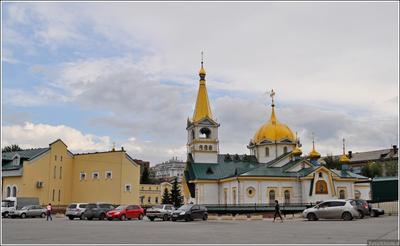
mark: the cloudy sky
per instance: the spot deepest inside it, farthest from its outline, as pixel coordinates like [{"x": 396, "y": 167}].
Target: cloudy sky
[{"x": 97, "y": 73}]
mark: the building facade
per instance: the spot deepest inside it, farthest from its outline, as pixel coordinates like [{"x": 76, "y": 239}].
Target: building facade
[
  {"x": 56, "y": 175},
  {"x": 170, "y": 169},
  {"x": 151, "y": 194},
  {"x": 275, "y": 168}
]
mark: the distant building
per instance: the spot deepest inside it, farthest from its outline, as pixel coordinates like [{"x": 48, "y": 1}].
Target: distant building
[
  {"x": 169, "y": 169},
  {"x": 151, "y": 194},
  {"x": 55, "y": 175},
  {"x": 143, "y": 165},
  {"x": 384, "y": 157}
]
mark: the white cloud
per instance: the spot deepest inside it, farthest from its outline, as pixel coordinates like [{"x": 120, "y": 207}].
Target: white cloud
[{"x": 30, "y": 135}]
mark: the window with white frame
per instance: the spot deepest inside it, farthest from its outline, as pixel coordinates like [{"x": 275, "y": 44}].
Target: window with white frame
[
  {"x": 108, "y": 175},
  {"x": 128, "y": 187},
  {"x": 82, "y": 176},
  {"x": 95, "y": 175}
]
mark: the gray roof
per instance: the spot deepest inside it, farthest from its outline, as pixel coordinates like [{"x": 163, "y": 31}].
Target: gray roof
[{"x": 383, "y": 154}]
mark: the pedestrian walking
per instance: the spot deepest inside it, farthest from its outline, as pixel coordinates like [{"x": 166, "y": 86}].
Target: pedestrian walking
[
  {"x": 277, "y": 211},
  {"x": 48, "y": 212}
]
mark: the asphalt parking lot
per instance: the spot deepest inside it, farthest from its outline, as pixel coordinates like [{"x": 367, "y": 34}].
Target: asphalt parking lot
[{"x": 63, "y": 231}]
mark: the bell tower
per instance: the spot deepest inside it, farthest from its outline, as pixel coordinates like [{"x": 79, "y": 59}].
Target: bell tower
[{"x": 202, "y": 129}]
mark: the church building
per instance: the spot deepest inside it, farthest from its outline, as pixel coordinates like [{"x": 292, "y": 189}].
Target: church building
[{"x": 275, "y": 168}]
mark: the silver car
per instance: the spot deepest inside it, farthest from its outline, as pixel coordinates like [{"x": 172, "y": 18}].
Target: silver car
[
  {"x": 163, "y": 211},
  {"x": 76, "y": 210},
  {"x": 332, "y": 209},
  {"x": 29, "y": 211}
]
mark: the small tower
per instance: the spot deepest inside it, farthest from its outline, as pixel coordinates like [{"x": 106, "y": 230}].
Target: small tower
[
  {"x": 297, "y": 151},
  {"x": 314, "y": 155},
  {"x": 343, "y": 158},
  {"x": 202, "y": 129}
]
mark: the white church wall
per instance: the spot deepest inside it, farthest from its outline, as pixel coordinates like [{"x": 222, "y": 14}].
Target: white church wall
[
  {"x": 274, "y": 152},
  {"x": 347, "y": 186},
  {"x": 210, "y": 193},
  {"x": 365, "y": 190},
  {"x": 204, "y": 157}
]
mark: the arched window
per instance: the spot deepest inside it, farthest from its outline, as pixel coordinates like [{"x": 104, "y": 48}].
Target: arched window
[
  {"x": 342, "y": 194},
  {"x": 201, "y": 147},
  {"x": 205, "y": 132},
  {"x": 210, "y": 147},
  {"x": 320, "y": 174},
  {"x": 357, "y": 194},
  {"x": 287, "y": 196},
  {"x": 267, "y": 151},
  {"x": 271, "y": 196},
  {"x": 14, "y": 191},
  {"x": 8, "y": 191},
  {"x": 285, "y": 149},
  {"x": 192, "y": 134},
  {"x": 321, "y": 187},
  {"x": 205, "y": 147}
]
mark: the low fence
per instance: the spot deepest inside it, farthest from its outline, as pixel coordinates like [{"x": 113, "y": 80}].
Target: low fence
[{"x": 255, "y": 208}]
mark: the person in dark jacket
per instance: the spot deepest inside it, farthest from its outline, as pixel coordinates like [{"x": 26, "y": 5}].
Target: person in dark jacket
[{"x": 277, "y": 211}]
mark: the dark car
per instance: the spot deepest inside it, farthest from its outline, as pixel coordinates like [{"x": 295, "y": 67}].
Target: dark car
[
  {"x": 190, "y": 212},
  {"x": 97, "y": 210},
  {"x": 362, "y": 206}
]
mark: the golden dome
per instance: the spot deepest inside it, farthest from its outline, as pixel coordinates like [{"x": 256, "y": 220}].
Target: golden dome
[
  {"x": 314, "y": 154},
  {"x": 297, "y": 151},
  {"x": 344, "y": 159},
  {"x": 273, "y": 131}
]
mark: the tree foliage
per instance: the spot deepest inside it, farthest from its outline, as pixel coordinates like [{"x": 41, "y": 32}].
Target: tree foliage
[
  {"x": 166, "y": 198},
  {"x": 176, "y": 197},
  {"x": 11, "y": 148},
  {"x": 372, "y": 170},
  {"x": 391, "y": 169},
  {"x": 332, "y": 162}
]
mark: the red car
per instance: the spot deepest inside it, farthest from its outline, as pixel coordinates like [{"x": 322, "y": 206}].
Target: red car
[{"x": 124, "y": 212}]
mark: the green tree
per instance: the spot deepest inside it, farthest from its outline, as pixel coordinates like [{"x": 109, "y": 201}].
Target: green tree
[
  {"x": 332, "y": 162},
  {"x": 166, "y": 199},
  {"x": 145, "y": 179},
  {"x": 176, "y": 197},
  {"x": 391, "y": 169},
  {"x": 11, "y": 148},
  {"x": 372, "y": 170}
]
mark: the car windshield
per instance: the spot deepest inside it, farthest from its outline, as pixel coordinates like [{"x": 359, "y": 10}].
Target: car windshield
[
  {"x": 158, "y": 207},
  {"x": 120, "y": 207},
  {"x": 72, "y": 206},
  {"x": 185, "y": 207}
]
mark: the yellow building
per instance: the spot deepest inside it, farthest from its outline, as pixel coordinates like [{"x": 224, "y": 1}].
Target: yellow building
[
  {"x": 56, "y": 175},
  {"x": 151, "y": 194}
]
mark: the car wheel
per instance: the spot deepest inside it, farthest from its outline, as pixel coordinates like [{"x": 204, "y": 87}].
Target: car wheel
[
  {"x": 140, "y": 217},
  {"x": 347, "y": 216},
  {"x": 70, "y": 217},
  {"x": 165, "y": 217},
  {"x": 188, "y": 218},
  {"x": 360, "y": 214},
  {"x": 373, "y": 214},
  {"x": 123, "y": 217},
  {"x": 23, "y": 215},
  {"x": 151, "y": 218},
  {"x": 311, "y": 217},
  {"x": 102, "y": 216},
  {"x": 205, "y": 216},
  {"x": 82, "y": 217},
  {"x": 43, "y": 215},
  {"x": 5, "y": 215}
]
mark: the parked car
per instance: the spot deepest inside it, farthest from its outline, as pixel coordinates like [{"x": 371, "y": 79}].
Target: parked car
[
  {"x": 11, "y": 204},
  {"x": 163, "y": 211},
  {"x": 332, "y": 209},
  {"x": 75, "y": 210},
  {"x": 124, "y": 212},
  {"x": 375, "y": 212},
  {"x": 97, "y": 210},
  {"x": 190, "y": 212},
  {"x": 363, "y": 207},
  {"x": 29, "y": 211}
]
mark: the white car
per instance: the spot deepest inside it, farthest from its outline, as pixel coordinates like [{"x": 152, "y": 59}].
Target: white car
[
  {"x": 163, "y": 211},
  {"x": 332, "y": 209}
]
